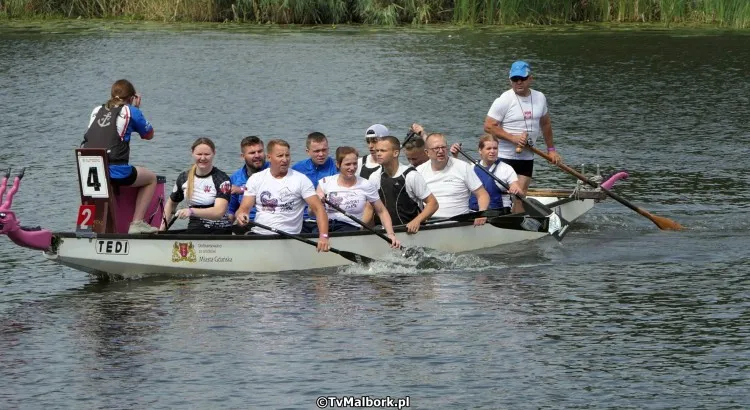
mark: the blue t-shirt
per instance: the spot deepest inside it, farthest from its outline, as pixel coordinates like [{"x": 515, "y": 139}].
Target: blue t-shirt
[
  {"x": 239, "y": 178},
  {"x": 316, "y": 172}
]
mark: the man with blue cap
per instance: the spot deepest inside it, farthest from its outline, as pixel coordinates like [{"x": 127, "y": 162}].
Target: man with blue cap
[{"x": 516, "y": 119}]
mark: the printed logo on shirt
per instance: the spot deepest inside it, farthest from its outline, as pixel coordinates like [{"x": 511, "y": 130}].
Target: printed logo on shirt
[
  {"x": 345, "y": 199},
  {"x": 285, "y": 194},
  {"x": 268, "y": 203},
  {"x": 335, "y": 198},
  {"x": 105, "y": 121},
  {"x": 207, "y": 189},
  {"x": 225, "y": 187}
]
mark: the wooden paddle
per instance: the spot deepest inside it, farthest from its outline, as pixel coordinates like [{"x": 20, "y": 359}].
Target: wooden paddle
[
  {"x": 354, "y": 257},
  {"x": 558, "y": 225},
  {"x": 661, "y": 222}
]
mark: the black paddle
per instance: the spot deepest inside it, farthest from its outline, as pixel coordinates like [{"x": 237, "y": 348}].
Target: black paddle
[
  {"x": 354, "y": 257},
  {"x": 364, "y": 225},
  {"x": 557, "y": 225},
  {"x": 469, "y": 216},
  {"x": 409, "y": 137}
]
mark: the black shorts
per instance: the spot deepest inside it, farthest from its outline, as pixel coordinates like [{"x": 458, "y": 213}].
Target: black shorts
[
  {"x": 128, "y": 180},
  {"x": 523, "y": 167}
]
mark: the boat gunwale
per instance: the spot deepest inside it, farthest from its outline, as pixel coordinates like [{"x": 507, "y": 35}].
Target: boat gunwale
[{"x": 511, "y": 222}]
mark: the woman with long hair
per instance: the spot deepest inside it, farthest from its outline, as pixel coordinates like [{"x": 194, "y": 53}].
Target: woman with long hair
[
  {"x": 207, "y": 190},
  {"x": 352, "y": 193},
  {"x": 110, "y": 127}
]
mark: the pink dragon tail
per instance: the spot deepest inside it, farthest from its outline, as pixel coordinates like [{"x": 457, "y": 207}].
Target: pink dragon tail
[{"x": 610, "y": 182}]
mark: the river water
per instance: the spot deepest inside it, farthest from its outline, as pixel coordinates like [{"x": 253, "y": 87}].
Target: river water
[{"x": 618, "y": 315}]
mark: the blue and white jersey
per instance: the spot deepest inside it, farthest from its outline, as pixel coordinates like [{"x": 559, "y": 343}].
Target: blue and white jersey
[{"x": 130, "y": 119}]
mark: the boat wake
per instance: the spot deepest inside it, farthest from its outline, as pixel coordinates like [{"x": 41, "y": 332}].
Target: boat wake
[{"x": 417, "y": 261}]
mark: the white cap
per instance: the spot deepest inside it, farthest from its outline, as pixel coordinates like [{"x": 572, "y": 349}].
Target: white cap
[{"x": 377, "y": 130}]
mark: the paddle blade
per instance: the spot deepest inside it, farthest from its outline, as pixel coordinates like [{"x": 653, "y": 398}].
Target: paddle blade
[
  {"x": 354, "y": 257},
  {"x": 535, "y": 208},
  {"x": 530, "y": 224},
  {"x": 557, "y": 226},
  {"x": 663, "y": 223}
]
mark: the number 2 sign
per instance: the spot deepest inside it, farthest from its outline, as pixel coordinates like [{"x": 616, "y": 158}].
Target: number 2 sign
[
  {"x": 93, "y": 177},
  {"x": 86, "y": 216}
]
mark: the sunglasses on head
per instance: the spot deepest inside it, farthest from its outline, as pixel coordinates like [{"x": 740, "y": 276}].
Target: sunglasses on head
[{"x": 518, "y": 78}]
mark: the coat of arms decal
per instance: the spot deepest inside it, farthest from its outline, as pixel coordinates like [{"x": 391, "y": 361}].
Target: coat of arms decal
[{"x": 183, "y": 251}]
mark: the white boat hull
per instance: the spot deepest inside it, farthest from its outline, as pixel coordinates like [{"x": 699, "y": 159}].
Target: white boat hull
[{"x": 130, "y": 256}]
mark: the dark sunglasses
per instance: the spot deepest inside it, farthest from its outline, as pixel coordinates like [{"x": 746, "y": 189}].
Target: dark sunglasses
[
  {"x": 371, "y": 139},
  {"x": 517, "y": 79}
]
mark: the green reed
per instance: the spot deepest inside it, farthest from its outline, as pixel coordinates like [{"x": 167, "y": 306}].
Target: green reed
[{"x": 726, "y": 13}]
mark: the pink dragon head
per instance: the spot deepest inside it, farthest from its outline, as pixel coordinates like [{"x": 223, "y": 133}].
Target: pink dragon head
[{"x": 34, "y": 238}]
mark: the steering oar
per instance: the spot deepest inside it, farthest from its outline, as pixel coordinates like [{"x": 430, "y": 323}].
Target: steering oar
[{"x": 660, "y": 221}]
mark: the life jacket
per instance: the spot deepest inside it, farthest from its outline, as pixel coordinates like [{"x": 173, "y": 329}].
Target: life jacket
[
  {"x": 496, "y": 194},
  {"x": 396, "y": 199},
  {"x": 103, "y": 134},
  {"x": 365, "y": 172}
]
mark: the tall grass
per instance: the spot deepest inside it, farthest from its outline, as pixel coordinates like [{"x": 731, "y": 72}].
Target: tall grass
[{"x": 725, "y": 13}]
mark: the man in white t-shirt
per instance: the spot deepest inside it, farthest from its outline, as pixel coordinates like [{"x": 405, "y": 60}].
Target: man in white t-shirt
[
  {"x": 516, "y": 119},
  {"x": 367, "y": 164},
  {"x": 401, "y": 188},
  {"x": 281, "y": 194},
  {"x": 451, "y": 181}
]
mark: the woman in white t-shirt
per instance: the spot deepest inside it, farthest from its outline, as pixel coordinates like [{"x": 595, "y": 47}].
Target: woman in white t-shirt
[{"x": 352, "y": 193}]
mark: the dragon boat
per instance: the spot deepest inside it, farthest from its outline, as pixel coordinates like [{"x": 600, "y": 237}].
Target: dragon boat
[{"x": 101, "y": 246}]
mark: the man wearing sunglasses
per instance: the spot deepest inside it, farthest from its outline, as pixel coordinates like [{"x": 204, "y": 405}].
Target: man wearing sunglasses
[
  {"x": 516, "y": 119},
  {"x": 367, "y": 165}
]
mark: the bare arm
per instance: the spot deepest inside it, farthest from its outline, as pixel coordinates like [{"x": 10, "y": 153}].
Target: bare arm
[
  {"x": 494, "y": 128},
  {"x": 321, "y": 217},
  {"x": 243, "y": 212},
  {"x": 483, "y": 198},
  {"x": 215, "y": 212},
  {"x": 169, "y": 208},
  {"x": 385, "y": 219},
  {"x": 515, "y": 188},
  {"x": 546, "y": 124},
  {"x": 430, "y": 207},
  {"x": 483, "y": 201},
  {"x": 367, "y": 217}
]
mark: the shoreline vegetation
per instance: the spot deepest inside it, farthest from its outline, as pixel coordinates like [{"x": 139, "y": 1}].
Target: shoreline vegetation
[{"x": 719, "y": 13}]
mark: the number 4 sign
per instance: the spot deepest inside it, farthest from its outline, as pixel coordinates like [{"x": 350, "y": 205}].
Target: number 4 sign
[
  {"x": 93, "y": 177},
  {"x": 86, "y": 217}
]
